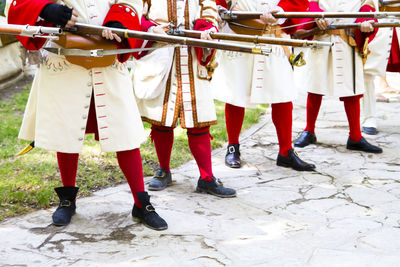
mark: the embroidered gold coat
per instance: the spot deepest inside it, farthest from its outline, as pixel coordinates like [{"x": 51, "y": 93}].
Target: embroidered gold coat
[{"x": 175, "y": 77}]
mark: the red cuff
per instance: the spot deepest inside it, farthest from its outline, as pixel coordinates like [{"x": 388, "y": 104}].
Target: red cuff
[
  {"x": 27, "y": 12},
  {"x": 144, "y": 27},
  {"x": 307, "y": 22},
  {"x": 359, "y": 36},
  {"x": 127, "y": 17},
  {"x": 222, "y": 3},
  {"x": 203, "y": 25},
  {"x": 294, "y": 5}
]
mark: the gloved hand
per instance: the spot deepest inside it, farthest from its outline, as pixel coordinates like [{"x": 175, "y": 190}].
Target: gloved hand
[{"x": 57, "y": 14}]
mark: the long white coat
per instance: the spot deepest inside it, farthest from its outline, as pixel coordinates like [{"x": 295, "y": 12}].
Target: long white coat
[
  {"x": 184, "y": 95},
  {"x": 330, "y": 69},
  {"x": 57, "y": 110},
  {"x": 245, "y": 80}
]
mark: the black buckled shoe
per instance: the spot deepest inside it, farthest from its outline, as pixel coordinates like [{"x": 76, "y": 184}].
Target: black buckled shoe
[
  {"x": 161, "y": 180},
  {"x": 305, "y": 138},
  {"x": 66, "y": 209},
  {"x": 232, "y": 158},
  {"x": 293, "y": 161},
  {"x": 363, "y": 145},
  {"x": 370, "y": 130},
  {"x": 147, "y": 214},
  {"x": 214, "y": 187}
]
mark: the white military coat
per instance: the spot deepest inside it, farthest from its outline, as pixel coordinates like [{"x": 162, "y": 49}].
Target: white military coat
[
  {"x": 57, "y": 110},
  {"x": 330, "y": 69},
  {"x": 245, "y": 80},
  {"x": 185, "y": 95},
  {"x": 380, "y": 48}
]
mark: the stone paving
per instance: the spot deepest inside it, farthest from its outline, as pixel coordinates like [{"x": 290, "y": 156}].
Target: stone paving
[{"x": 347, "y": 213}]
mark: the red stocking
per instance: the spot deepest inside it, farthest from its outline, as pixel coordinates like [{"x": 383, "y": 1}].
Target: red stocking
[
  {"x": 200, "y": 145},
  {"x": 313, "y": 106},
  {"x": 163, "y": 138},
  {"x": 68, "y": 165},
  {"x": 234, "y": 117},
  {"x": 352, "y": 108},
  {"x": 282, "y": 119},
  {"x": 130, "y": 163}
]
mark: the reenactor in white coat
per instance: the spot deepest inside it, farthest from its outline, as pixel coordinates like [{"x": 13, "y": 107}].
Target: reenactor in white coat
[
  {"x": 172, "y": 84},
  {"x": 68, "y": 100},
  {"x": 376, "y": 65},
  {"x": 338, "y": 71},
  {"x": 242, "y": 81}
]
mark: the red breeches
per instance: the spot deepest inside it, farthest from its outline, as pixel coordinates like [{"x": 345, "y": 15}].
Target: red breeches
[{"x": 199, "y": 144}]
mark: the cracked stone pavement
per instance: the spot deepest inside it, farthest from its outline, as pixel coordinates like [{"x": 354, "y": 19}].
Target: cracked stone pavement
[{"x": 347, "y": 213}]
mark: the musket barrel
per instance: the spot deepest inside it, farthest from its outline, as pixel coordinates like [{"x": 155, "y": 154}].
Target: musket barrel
[
  {"x": 334, "y": 26},
  {"x": 257, "y": 39},
  {"x": 244, "y": 15},
  {"x": 81, "y": 28}
]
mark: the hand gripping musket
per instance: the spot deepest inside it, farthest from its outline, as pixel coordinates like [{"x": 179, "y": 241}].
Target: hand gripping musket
[
  {"x": 307, "y": 33},
  {"x": 245, "y": 15},
  {"x": 249, "y": 38}
]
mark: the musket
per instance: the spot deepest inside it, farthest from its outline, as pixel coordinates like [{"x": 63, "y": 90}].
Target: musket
[
  {"x": 333, "y": 26},
  {"x": 389, "y": 2},
  {"x": 86, "y": 30},
  {"x": 249, "y": 38},
  {"x": 244, "y": 15}
]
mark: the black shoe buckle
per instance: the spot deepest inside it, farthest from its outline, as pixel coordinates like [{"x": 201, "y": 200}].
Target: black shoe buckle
[
  {"x": 66, "y": 203},
  {"x": 150, "y": 208}
]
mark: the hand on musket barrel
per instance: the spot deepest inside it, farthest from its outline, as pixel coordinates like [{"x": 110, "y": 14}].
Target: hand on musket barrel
[
  {"x": 366, "y": 26},
  {"x": 268, "y": 17},
  {"x": 205, "y": 35},
  {"x": 322, "y": 24}
]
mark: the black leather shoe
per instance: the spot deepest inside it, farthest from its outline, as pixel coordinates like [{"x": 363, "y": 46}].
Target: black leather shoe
[
  {"x": 232, "y": 158},
  {"x": 293, "y": 161},
  {"x": 214, "y": 187},
  {"x": 147, "y": 214},
  {"x": 363, "y": 145},
  {"x": 305, "y": 139},
  {"x": 66, "y": 209},
  {"x": 369, "y": 130},
  {"x": 161, "y": 180}
]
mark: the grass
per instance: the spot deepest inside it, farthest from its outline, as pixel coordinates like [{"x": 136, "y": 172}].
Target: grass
[{"x": 27, "y": 182}]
